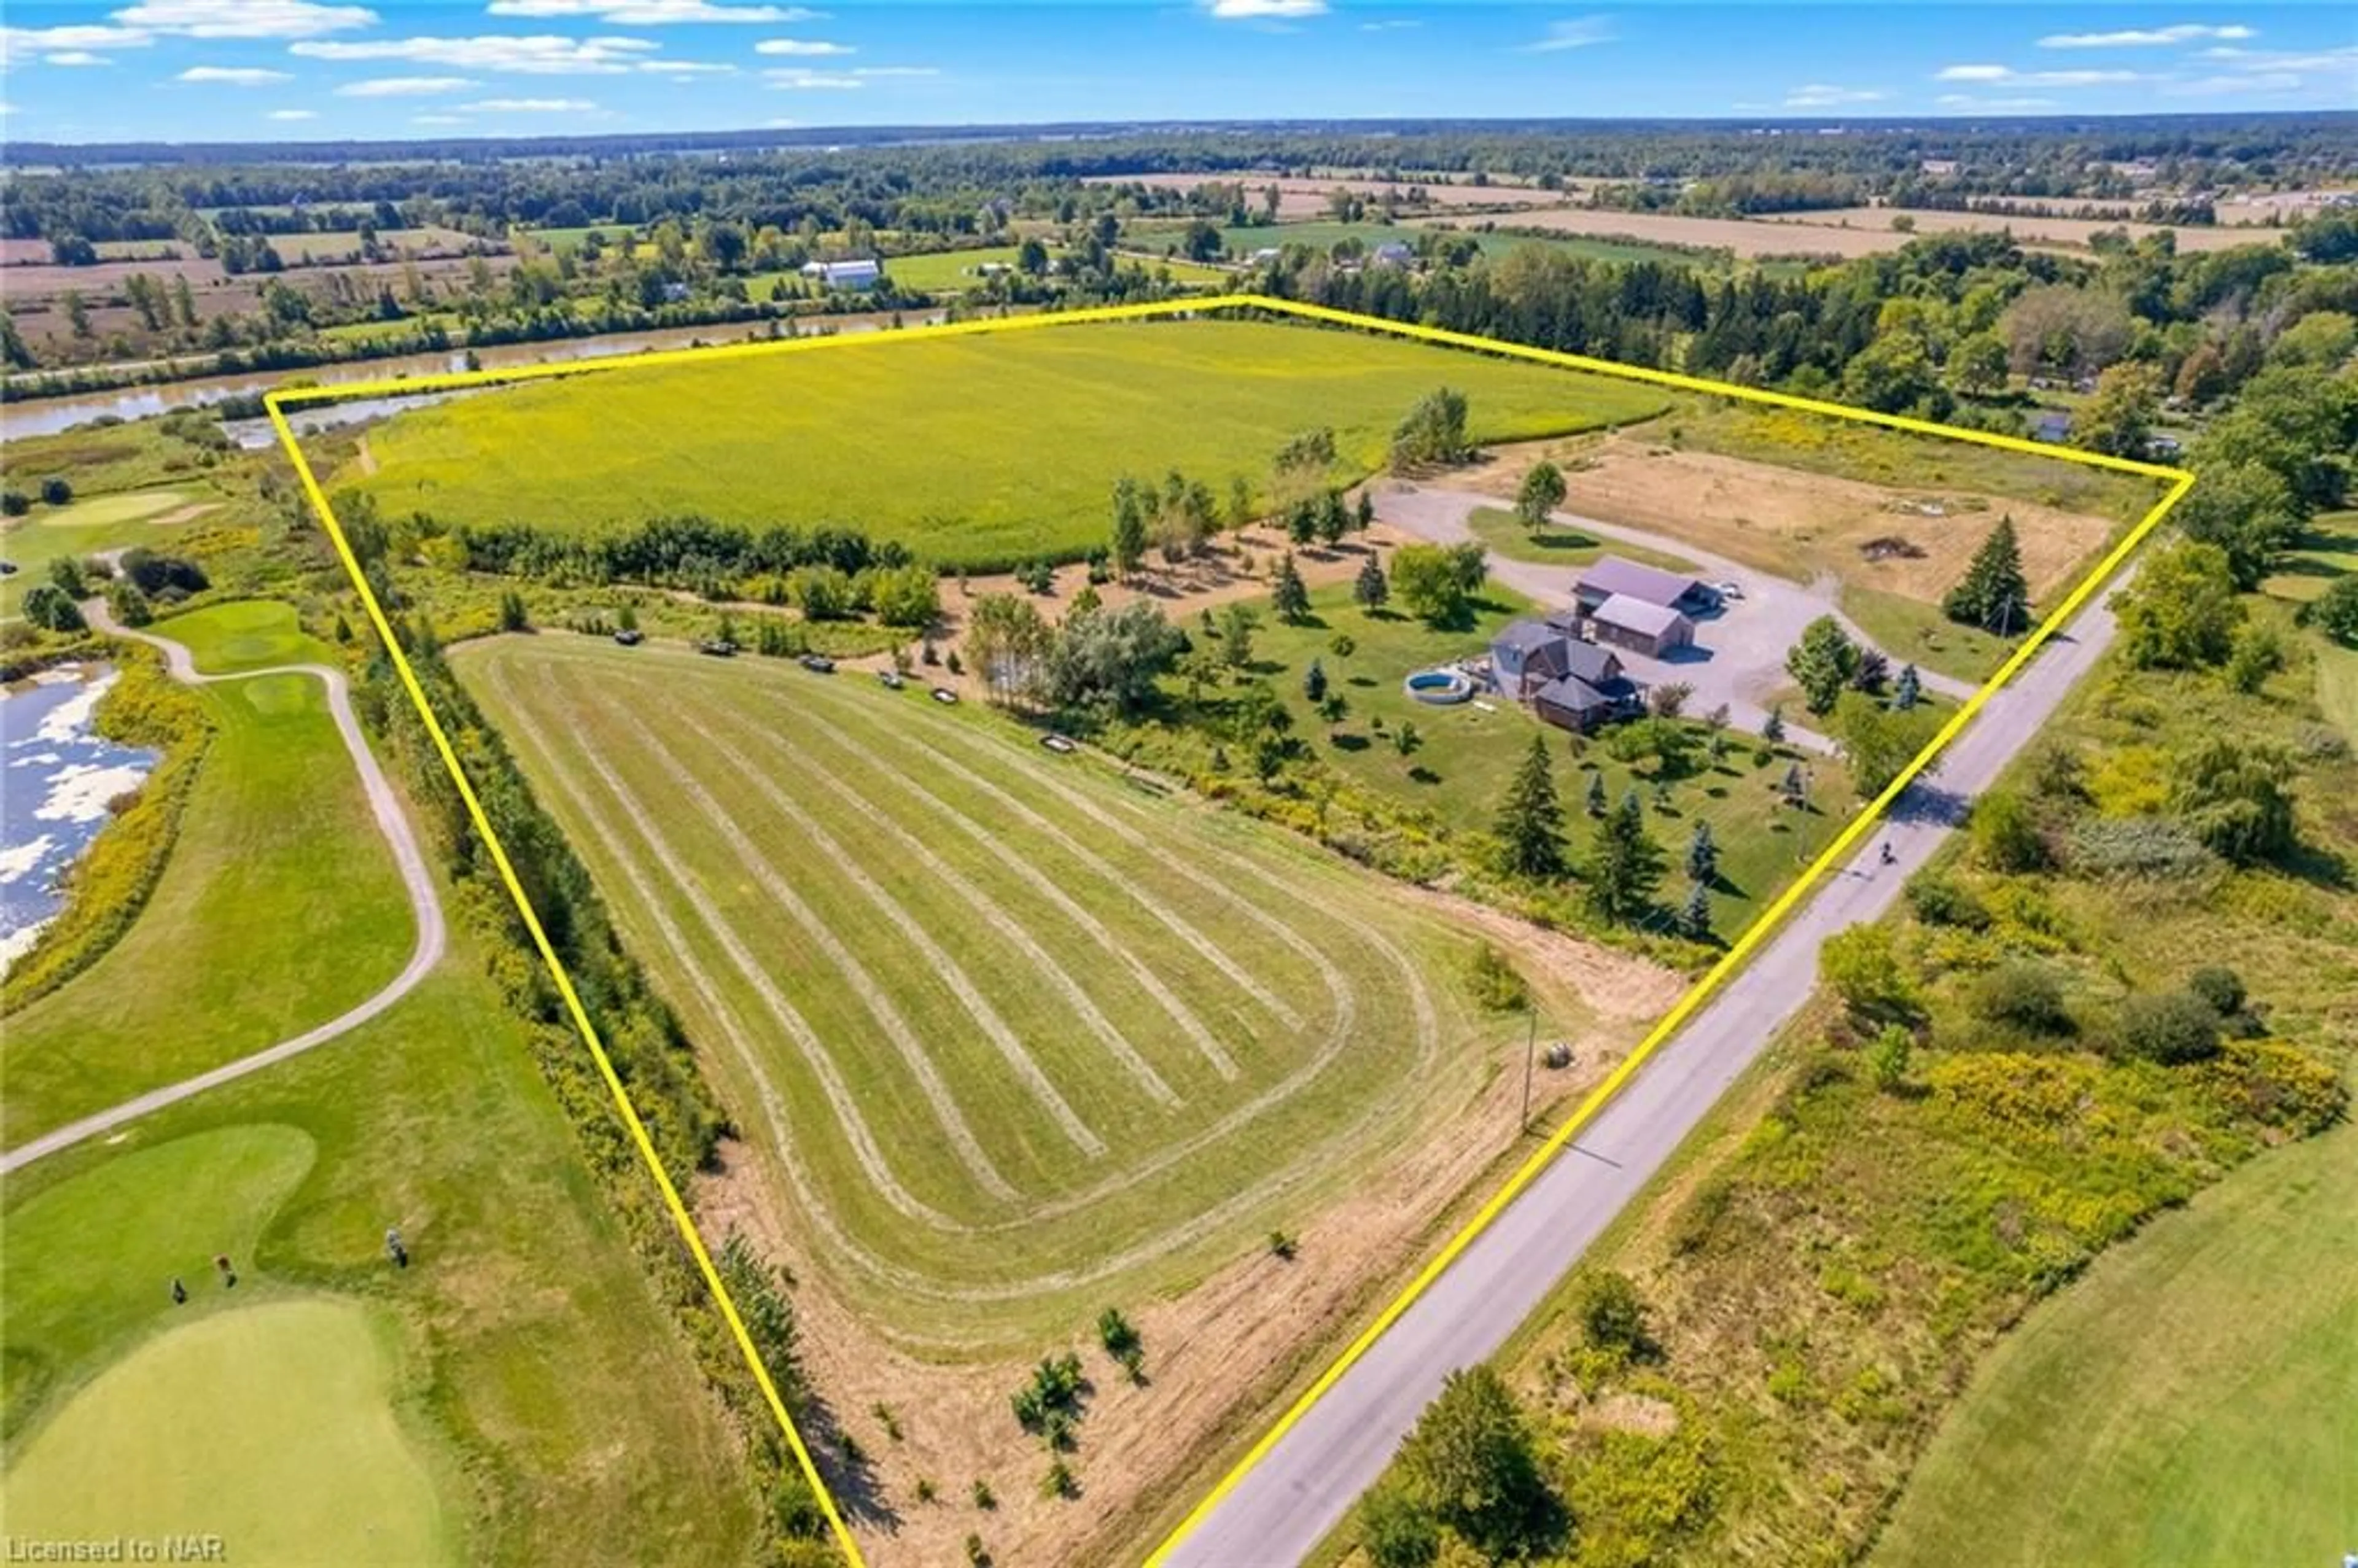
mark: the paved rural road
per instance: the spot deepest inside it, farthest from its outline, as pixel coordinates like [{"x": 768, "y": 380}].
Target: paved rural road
[
  {"x": 1307, "y": 1483},
  {"x": 424, "y": 903}
]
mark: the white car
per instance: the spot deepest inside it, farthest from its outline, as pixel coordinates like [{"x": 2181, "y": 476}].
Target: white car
[{"x": 1728, "y": 589}]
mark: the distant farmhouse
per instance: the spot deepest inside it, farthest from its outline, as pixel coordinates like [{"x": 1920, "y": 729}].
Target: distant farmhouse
[
  {"x": 1392, "y": 253},
  {"x": 858, "y": 275}
]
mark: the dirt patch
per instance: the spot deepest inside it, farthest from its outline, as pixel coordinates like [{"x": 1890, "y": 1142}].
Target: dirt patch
[
  {"x": 1215, "y": 1357},
  {"x": 364, "y": 459},
  {"x": 1797, "y": 524},
  {"x": 1631, "y": 1413},
  {"x": 1739, "y": 236}
]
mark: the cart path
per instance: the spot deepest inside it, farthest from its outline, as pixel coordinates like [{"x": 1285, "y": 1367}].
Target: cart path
[{"x": 384, "y": 804}]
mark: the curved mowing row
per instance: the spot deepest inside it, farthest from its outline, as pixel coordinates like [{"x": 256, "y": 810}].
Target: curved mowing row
[{"x": 1006, "y": 1027}]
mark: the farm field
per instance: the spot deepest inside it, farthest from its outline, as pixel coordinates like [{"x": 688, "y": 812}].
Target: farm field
[
  {"x": 278, "y": 908},
  {"x": 1324, "y": 237},
  {"x": 968, "y": 450},
  {"x": 2104, "y": 1433},
  {"x": 1746, "y": 239},
  {"x": 1020, "y": 1037},
  {"x": 2070, "y": 232},
  {"x": 1011, "y": 1038},
  {"x": 1304, "y": 197},
  {"x": 301, "y": 250}
]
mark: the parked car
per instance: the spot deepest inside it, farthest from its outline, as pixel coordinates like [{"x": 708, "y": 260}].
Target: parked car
[
  {"x": 1728, "y": 589},
  {"x": 1060, "y": 744},
  {"x": 630, "y": 637},
  {"x": 719, "y": 647},
  {"x": 943, "y": 694},
  {"x": 892, "y": 679},
  {"x": 819, "y": 663}
]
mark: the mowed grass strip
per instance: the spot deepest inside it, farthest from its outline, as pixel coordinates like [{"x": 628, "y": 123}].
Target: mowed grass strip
[
  {"x": 965, "y": 449},
  {"x": 1173, "y": 925},
  {"x": 278, "y": 909}
]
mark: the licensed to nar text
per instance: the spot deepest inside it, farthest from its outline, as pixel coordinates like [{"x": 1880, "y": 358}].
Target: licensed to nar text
[{"x": 116, "y": 1549}]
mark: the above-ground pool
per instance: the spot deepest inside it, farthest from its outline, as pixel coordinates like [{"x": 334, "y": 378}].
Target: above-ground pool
[{"x": 1439, "y": 686}]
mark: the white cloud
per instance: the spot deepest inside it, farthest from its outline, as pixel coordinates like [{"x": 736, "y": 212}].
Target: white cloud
[
  {"x": 19, "y": 44},
  {"x": 800, "y": 47},
  {"x": 292, "y": 115},
  {"x": 2344, "y": 58},
  {"x": 782, "y": 124},
  {"x": 654, "y": 13},
  {"x": 537, "y": 54},
  {"x": 1397, "y": 25},
  {"x": 405, "y": 86},
  {"x": 233, "y": 75},
  {"x": 530, "y": 106},
  {"x": 687, "y": 70},
  {"x": 1818, "y": 95},
  {"x": 75, "y": 57},
  {"x": 1578, "y": 33},
  {"x": 812, "y": 80},
  {"x": 1973, "y": 103},
  {"x": 2144, "y": 37},
  {"x": 244, "y": 18},
  {"x": 875, "y": 70},
  {"x": 1265, "y": 10},
  {"x": 2008, "y": 76}
]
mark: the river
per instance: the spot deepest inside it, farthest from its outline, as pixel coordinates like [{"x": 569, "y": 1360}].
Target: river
[
  {"x": 57, "y": 777},
  {"x": 47, "y": 415}
]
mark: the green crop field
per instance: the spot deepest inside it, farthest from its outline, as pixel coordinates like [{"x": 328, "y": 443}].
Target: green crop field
[
  {"x": 1016, "y": 1038},
  {"x": 2188, "y": 1403},
  {"x": 967, "y": 449},
  {"x": 278, "y": 908}
]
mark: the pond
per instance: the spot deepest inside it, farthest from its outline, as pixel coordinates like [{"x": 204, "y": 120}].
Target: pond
[{"x": 57, "y": 777}]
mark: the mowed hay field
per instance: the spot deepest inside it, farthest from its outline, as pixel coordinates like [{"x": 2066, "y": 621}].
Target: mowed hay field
[
  {"x": 995, "y": 448},
  {"x": 1021, "y": 1039}
]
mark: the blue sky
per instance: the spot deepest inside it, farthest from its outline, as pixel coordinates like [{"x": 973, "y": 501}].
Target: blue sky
[{"x": 280, "y": 69}]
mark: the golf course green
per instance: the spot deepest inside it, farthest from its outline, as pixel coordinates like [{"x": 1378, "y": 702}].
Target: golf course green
[{"x": 270, "y": 1426}]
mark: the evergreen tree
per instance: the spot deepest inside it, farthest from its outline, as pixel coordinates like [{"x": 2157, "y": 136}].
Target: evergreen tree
[
  {"x": 1993, "y": 594},
  {"x": 1703, "y": 855},
  {"x": 1908, "y": 689},
  {"x": 1301, "y": 522},
  {"x": 1624, "y": 865},
  {"x": 1773, "y": 731},
  {"x": 1128, "y": 528},
  {"x": 1313, "y": 682},
  {"x": 1333, "y": 518},
  {"x": 1365, "y": 518},
  {"x": 1530, "y": 824},
  {"x": 1596, "y": 795},
  {"x": 1287, "y": 595},
  {"x": 1371, "y": 589},
  {"x": 1696, "y": 917}
]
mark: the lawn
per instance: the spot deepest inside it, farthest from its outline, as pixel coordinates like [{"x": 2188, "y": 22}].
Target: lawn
[
  {"x": 1503, "y": 534},
  {"x": 1016, "y": 1038},
  {"x": 2329, "y": 550},
  {"x": 1469, "y": 751},
  {"x": 1912, "y": 632},
  {"x": 969, "y": 449},
  {"x": 2187, "y": 1404},
  {"x": 517, "y": 1395},
  {"x": 278, "y": 908}
]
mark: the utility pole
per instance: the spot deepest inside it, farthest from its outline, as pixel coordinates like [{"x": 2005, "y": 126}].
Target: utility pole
[{"x": 1531, "y": 1049}]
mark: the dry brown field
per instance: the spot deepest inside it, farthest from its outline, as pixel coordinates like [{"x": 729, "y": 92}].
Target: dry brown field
[{"x": 2053, "y": 230}]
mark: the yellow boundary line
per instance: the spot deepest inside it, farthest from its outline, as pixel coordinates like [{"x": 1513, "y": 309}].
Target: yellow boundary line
[{"x": 276, "y": 402}]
